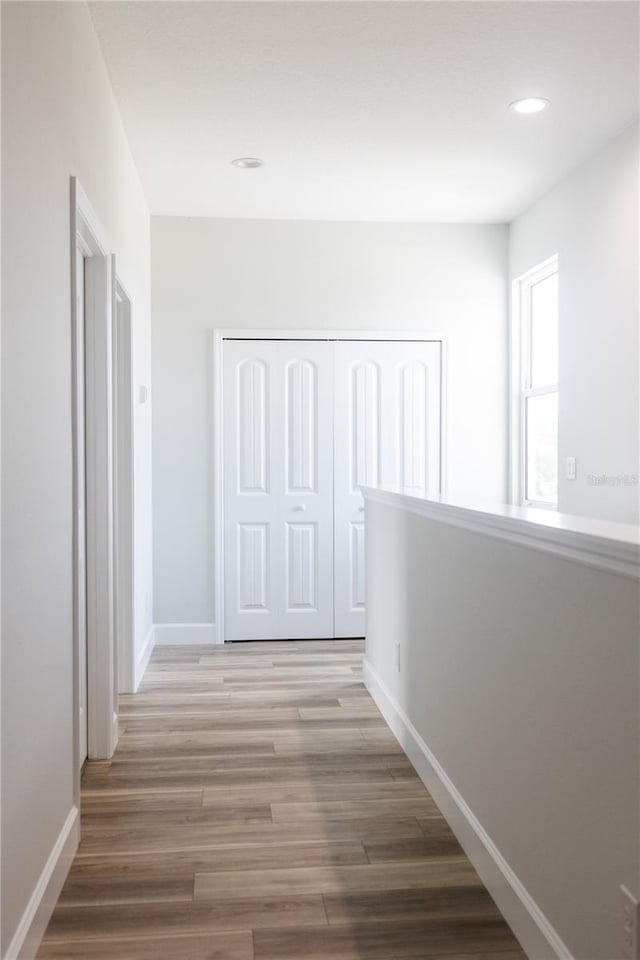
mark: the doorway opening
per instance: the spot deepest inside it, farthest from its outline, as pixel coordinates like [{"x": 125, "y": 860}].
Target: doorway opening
[{"x": 102, "y": 484}]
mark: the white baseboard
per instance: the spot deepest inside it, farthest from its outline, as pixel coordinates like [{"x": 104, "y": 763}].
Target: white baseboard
[
  {"x": 536, "y": 935},
  {"x": 144, "y": 656},
  {"x": 26, "y": 940},
  {"x": 178, "y": 633}
]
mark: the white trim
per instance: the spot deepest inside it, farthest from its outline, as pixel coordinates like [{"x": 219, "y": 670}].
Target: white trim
[
  {"x": 218, "y": 486},
  {"x": 613, "y": 547},
  {"x": 87, "y": 226},
  {"x": 168, "y": 634},
  {"x": 33, "y": 923},
  {"x": 101, "y": 693},
  {"x": 444, "y": 416},
  {"x": 142, "y": 660},
  {"x": 519, "y": 389},
  {"x": 88, "y": 236},
  {"x": 123, "y": 487},
  {"x": 297, "y": 334},
  {"x": 219, "y": 336},
  {"x": 530, "y": 925}
]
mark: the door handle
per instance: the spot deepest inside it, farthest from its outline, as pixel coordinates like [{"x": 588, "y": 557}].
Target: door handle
[{"x": 300, "y": 506}]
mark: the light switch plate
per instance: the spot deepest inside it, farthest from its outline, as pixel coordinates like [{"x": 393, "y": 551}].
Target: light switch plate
[{"x": 571, "y": 468}]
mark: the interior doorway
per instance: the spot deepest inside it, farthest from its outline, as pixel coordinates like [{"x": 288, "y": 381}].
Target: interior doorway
[{"x": 96, "y": 408}]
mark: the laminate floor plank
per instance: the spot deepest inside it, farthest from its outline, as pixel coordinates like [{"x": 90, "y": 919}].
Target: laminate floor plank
[
  {"x": 431, "y": 903},
  {"x": 133, "y": 776},
  {"x": 149, "y": 750},
  {"x": 308, "y": 880},
  {"x": 190, "y": 822},
  {"x": 134, "y": 837},
  {"x": 374, "y": 788},
  {"x": 175, "y": 722},
  {"x": 486, "y": 936},
  {"x": 183, "y": 742},
  {"x": 160, "y": 919},
  {"x": 218, "y": 858},
  {"x": 233, "y": 945},
  {"x": 420, "y": 806},
  {"x": 259, "y": 808},
  {"x": 439, "y": 841},
  {"x": 132, "y": 802}
]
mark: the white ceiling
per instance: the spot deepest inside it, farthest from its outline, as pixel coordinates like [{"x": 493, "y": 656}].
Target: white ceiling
[{"x": 365, "y": 110}]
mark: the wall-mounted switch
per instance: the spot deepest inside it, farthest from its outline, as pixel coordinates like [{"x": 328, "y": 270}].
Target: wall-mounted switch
[
  {"x": 143, "y": 394},
  {"x": 571, "y": 468}
]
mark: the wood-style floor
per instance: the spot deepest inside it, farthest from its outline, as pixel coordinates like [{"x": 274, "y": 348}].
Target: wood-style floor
[{"x": 258, "y": 808}]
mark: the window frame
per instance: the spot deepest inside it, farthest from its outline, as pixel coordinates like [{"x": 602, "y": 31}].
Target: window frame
[{"x": 521, "y": 389}]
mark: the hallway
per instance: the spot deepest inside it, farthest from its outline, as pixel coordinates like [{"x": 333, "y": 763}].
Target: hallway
[{"x": 259, "y": 807}]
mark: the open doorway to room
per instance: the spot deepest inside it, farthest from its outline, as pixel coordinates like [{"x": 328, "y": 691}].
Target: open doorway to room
[{"x": 103, "y": 485}]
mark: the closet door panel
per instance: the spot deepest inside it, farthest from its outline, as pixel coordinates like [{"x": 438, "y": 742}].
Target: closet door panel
[
  {"x": 387, "y": 431},
  {"x": 307, "y": 488},
  {"x": 278, "y": 489},
  {"x": 252, "y": 579},
  {"x": 358, "y": 452}
]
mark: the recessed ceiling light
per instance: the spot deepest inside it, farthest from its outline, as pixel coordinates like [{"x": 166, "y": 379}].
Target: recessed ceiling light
[
  {"x": 248, "y": 163},
  {"x": 530, "y": 105}
]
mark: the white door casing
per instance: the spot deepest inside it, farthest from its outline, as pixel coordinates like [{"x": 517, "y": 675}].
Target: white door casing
[
  {"x": 123, "y": 489},
  {"x": 94, "y": 694},
  {"x": 101, "y": 686},
  {"x": 387, "y": 430},
  {"x": 278, "y": 489},
  {"x": 80, "y": 567}
]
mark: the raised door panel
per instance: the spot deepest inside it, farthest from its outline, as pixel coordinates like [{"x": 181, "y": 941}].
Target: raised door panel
[
  {"x": 413, "y": 424},
  {"x": 251, "y": 428},
  {"x": 301, "y": 411},
  {"x": 253, "y": 567},
  {"x": 301, "y": 567},
  {"x": 364, "y": 424},
  {"x": 356, "y": 557}
]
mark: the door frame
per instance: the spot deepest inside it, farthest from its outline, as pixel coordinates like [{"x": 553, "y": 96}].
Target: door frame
[
  {"x": 95, "y": 326},
  {"x": 123, "y": 487},
  {"x": 219, "y": 336}
]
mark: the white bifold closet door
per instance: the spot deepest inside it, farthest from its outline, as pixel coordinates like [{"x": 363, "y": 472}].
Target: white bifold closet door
[
  {"x": 387, "y": 431},
  {"x": 278, "y": 489},
  {"x": 306, "y": 423}
]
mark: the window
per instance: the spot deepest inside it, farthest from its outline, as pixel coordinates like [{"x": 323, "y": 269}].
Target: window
[{"x": 535, "y": 379}]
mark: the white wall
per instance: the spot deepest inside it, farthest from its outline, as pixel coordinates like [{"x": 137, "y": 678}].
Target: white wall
[
  {"x": 519, "y": 670},
  {"x": 58, "y": 118},
  {"x": 441, "y": 280},
  {"x": 591, "y": 221}
]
